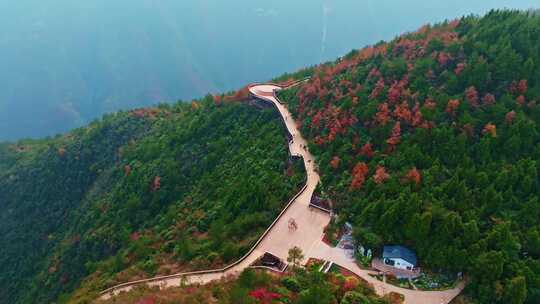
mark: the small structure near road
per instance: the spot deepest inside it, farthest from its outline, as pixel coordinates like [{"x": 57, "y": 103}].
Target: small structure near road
[
  {"x": 397, "y": 261},
  {"x": 270, "y": 261},
  {"x": 399, "y": 257},
  {"x": 321, "y": 204}
]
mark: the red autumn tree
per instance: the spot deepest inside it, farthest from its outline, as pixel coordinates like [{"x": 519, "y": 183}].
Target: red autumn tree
[
  {"x": 149, "y": 300},
  {"x": 156, "y": 184},
  {"x": 359, "y": 175},
  {"x": 135, "y": 236},
  {"x": 345, "y": 83},
  {"x": 263, "y": 295},
  {"x": 239, "y": 95},
  {"x": 379, "y": 86},
  {"x": 394, "y": 92},
  {"x": 319, "y": 140},
  {"x": 430, "y": 104},
  {"x": 520, "y": 100},
  {"x": 350, "y": 283},
  {"x": 383, "y": 114},
  {"x": 367, "y": 150},
  {"x": 395, "y": 136},
  {"x": 127, "y": 170},
  {"x": 488, "y": 99},
  {"x": 290, "y": 171},
  {"x": 353, "y": 91},
  {"x": 316, "y": 120},
  {"x": 509, "y": 118},
  {"x": 402, "y": 112},
  {"x": 414, "y": 176},
  {"x": 443, "y": 58},
  {"x": 331, "y": 135},
  {"x": 490, "y": 129},
  {"x": 454, "y": 23},
  {"x": 513, "y": 87},
  {"x": 334, "y": 163},
  {"x": 472, "y": 96},
  {"x": 217, "y": 100},
  {"x": 416, "y": 115},
  {"x": 459, "y": 68},
  {"x": 374, "y": 73},
  {"x": 452, "y": 106},
  {"x": 380, "y": 175},
  {"x": 522, "y": 86}
]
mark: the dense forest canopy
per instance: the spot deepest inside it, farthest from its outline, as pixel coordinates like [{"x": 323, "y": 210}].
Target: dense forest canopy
[
  {"x": 65, "y": 63},
  {"x": 431, "y": 140},
  {"x": 140, "y": 193}
]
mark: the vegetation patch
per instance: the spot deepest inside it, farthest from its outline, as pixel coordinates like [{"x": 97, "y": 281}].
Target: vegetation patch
[
  {"x": 302, "y": 286},
  {"x": 138, "y": 194},
  {"x": 431, "y": 141}
]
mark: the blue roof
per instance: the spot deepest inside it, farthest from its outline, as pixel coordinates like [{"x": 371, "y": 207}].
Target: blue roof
[{"x": 399, "y": 252}]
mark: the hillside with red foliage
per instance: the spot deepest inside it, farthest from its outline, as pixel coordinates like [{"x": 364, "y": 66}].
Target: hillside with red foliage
[{"x": 431, "y": 140}]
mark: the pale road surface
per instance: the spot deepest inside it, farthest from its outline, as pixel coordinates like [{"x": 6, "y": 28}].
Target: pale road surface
[{"x": 309, "y": 234}]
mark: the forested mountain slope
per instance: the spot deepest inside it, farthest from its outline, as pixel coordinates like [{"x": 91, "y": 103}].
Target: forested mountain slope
[
  {"x": 432, "y": 141},
  {"x": 152, "y": 191}
]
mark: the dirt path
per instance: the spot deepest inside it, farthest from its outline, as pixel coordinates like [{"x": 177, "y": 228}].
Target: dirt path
[{"x": 278, "y": 239}]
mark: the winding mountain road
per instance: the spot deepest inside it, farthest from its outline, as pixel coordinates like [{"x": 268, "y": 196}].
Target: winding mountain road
[{"x": 278, "y": 238}]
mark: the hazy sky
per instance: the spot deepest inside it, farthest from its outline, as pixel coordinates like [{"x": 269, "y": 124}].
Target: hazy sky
[{"x": 64, "y": 62}]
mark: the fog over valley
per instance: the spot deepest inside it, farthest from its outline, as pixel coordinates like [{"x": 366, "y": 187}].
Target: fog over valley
[{"x": 65, "y": 63}]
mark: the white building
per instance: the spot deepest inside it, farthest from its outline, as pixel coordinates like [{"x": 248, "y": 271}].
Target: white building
[{"x": 399, "y": 257}]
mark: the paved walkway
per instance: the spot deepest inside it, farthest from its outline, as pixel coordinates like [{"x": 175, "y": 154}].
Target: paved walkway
[{"x": 311, "y": 222}]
